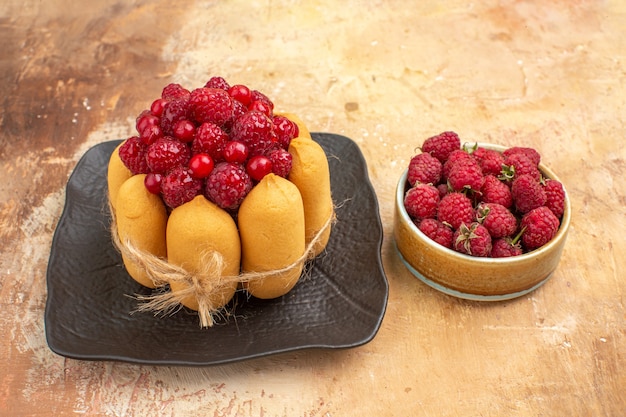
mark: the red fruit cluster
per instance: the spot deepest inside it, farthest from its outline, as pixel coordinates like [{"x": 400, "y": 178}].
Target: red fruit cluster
[
  {"x": 481, "y": 202},
  {"x": 217, "y": 140}
]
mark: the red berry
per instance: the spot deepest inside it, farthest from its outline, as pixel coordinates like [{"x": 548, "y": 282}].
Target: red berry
[
  {"x": 490, "y": 161},
  {"x": 281, "y": 162},
  {"x": 133, "y": 154},
  {"x": 262, "y": 106},
  {"x": 466, "y": 176},
  {"x": 179, "y": 186},
  {"x": 153, "y": 182},
  {"x": 255, "y": 130},
  {"x": 174, "y": 91},
  {"x": 527, "y": 193},
  {"x": 166, "y": 153},
  {"x": 424, "y": 168},
  {"x": 211, "y": 105},
  {"x": 217, "y": 82},
  {"x": 555, "y": 196},
  {"x": 145, "y": 120},
  {"x": 498, "y": 220},
  {"x": 455, "y": 209},
  {"x": 472, "y": 239},
  {"x": 437, "y": 231},
  {"x": 210, "y": 139},
  {"x": 442, "y": 145},
  {"x": 285, "y": 129},
  {"x": 173, "y": 111},
  {"x": 201, "y": 165},
  {"x": 235, "y": 152},
  {"x": 540, "y": 225},
  {"x": 150, "y": 134},
  {"x": 421, "y": 201},
  {"x": 505, "y": 247},
  {"x": 241, "y": 93},
  {"x": 530, "y": 153},
  {"x": 458, "y": 156},
  {"x": 496, "y": 191},
  {"x": 256, "y": 95},
  {"x": 519, "y": 164},
  {"x": 258, "y": 166},
  {"x": 227, "y": 185},
  {"x": 184, "y": 130},
  {"x": 157, "y": 106}
]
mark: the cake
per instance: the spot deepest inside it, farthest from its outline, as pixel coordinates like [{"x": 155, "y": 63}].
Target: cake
[{"x": 218, "y": 192}]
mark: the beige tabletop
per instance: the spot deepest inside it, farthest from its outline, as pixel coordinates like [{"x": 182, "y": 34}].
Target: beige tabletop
[{"x": 386, "y": 74}]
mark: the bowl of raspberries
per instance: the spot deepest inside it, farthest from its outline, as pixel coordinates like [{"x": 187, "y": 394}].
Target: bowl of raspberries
[{"x": 480, "y": 221}]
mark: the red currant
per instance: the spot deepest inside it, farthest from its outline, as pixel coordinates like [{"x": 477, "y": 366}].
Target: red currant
[
  {"x": 157, "y": 106},
  {"x": 150, "y": 134},
  {"x": 201, "y": 165},
  {"x": 259, "y": 166},
  {"x": 145, "y": 120},
  {"x": 153, "y": 182},
  {"x": 241, "y": 93},
  {"x": 184, "y": 130},
  {"x": 235, "y": 152}
]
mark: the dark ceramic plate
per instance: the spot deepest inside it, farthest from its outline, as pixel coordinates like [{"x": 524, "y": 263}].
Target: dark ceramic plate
[{"x": 90, "y": 310}]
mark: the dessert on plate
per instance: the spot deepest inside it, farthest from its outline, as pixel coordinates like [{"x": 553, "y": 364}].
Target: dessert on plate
[{"x": 216, "y": 192}]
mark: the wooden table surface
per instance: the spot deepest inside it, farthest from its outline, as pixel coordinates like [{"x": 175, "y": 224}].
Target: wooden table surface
[{"x": 387, "y": 74}]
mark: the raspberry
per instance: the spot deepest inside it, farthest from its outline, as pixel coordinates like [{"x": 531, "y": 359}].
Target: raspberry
[
  {"x": 175, "y": 91},
  {"x": 458, "y": 156},
  {"x": 217, "y": 82},
  {"x": 424, "y": 168},
  {"x": 227, "y": 185},
  {"x": 255, "y": 130},
  {"x": 498, "y": 220},
  {"x": 285, "y": 130},
  {"x": 443, "y": 190},
  {"x": 455, "y": 209},
  {"x": 466, "y": 176},
  {"x": 210, "y": 139},
  {"x": 555, "y": 196},
  {"x": 472, "y": 240},
  {"x": 530, "y": 153},
  {"x": 437, "y": 231},
  {"x": 540, "y": 225},
  {"x": 527, "y": 193},
  {"x": 504, "y": 247},
  {"x": 490, "y": 161},
  {"x": 133, "y": 155},
  {"x": 173, "y": 112},
  {"x": 496, "y": 191},
  {"x": 421, "y": 201},
  {"x": 212, "y": 105},
  {"x": 281, "y": 162},
  {"x": 166, "y": 153},
  {"x": 519, "y": 164},
  {"x": 441, "y": 145},
  {"x": 179, "y": 187}
]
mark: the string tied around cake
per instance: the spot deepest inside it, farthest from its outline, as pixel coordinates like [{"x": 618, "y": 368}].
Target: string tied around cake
[{"x": 203, "y": 284}]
